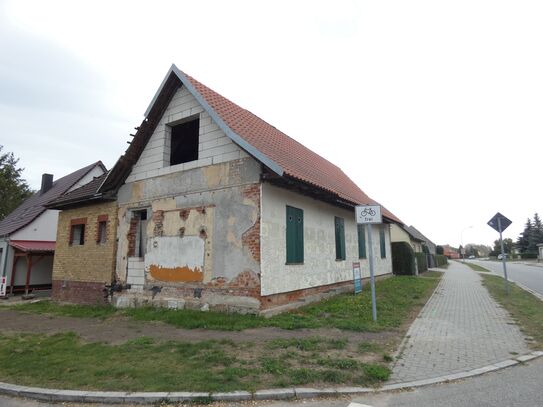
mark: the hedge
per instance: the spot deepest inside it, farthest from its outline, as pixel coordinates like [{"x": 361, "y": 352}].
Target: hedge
[
  {"x": 441, "y": 260},
  {"x": 422, "y": 262},
  {"x": 403, "y": 259},
  {"x": 528, "y": 255}
]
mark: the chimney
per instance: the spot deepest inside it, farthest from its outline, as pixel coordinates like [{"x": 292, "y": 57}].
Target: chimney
[{"x": 46, "y": 183}]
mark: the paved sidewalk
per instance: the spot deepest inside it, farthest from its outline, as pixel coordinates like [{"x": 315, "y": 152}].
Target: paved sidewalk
[{"x": 460, "y": 328}]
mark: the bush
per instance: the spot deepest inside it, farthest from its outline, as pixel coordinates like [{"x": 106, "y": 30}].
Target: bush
[
  {"x": 422, "y": 262},
  {"x": 403, "y": 259},
  {"x": 441, "y": 260},
  {"x": 528, "y": 255}
]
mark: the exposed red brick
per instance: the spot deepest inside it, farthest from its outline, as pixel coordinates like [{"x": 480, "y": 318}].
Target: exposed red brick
[{"x": 78, "y": 292}]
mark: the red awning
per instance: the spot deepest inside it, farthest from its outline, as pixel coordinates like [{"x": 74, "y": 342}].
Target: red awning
[{"x": 33, "y": 246}]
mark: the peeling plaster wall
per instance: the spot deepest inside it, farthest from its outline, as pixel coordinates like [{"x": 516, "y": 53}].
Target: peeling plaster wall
[
  {"x": 320, "y": 265},
  {"x": 200, "y": 228}
]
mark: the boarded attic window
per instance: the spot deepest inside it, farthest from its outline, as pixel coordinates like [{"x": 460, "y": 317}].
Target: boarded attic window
[{"x": 184, "y": 143}]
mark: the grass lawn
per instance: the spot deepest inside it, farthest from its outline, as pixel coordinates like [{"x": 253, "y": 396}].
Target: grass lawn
[
  {"x": 476, "y": 267},
  {"x": 396, "y": 298},
  {"x": 525, "y": 308},
  {"x": 65, "y": 361}
]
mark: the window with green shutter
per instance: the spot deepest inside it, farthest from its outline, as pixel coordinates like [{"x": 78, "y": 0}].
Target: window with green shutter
[
  {"x": 383, "y": 243},
  {"x": 361, "y": 241},
  {"x": 295, "y": 235},
  {"x": 340, "y": 238}
]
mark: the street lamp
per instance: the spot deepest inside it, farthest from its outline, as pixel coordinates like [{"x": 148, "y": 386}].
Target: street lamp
[{"x": 462, "y": 242}]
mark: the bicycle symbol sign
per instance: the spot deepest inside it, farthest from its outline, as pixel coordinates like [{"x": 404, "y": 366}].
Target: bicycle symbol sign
[{"x": 368, "y": 214}]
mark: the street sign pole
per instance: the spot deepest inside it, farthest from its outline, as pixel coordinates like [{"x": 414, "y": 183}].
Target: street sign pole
[
  {"x": 499, "y": 223},
  {"x": 372, "y": 276},
  {"x": 503, "y": 257}
]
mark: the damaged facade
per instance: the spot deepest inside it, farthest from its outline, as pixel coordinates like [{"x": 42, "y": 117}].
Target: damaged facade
[{"x": 218, "y": 209}]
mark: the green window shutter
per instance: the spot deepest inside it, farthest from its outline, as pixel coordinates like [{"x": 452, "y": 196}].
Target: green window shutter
[
  {"x": 383, "y": 243},
  {"x": 295, "y": 235},
  {"x": 340, "y": 238},
  {"x": 361, "y": 241}
]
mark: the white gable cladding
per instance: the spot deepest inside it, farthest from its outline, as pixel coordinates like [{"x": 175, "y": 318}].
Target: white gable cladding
[
  {"x": 320, "y": 266},
  {"x": 214, "y": 146}
]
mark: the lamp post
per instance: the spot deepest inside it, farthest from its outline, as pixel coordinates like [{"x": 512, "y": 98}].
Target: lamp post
[{"x": 462, "y": 242}]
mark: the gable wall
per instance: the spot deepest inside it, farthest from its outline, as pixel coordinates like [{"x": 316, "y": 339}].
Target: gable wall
[{"x": 214, "y": 146}]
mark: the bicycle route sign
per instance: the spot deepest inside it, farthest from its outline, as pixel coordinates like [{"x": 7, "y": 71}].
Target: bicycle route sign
[
  {"x": 368, "y": 214},
  {"x": 504, "y": 222}
]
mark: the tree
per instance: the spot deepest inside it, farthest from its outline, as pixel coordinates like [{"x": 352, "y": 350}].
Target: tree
[
  {"x": 13, "y": 189},
  {"x": 508, "y": 246},
  {"x": 531, "y": 236},
  {"x": 439, "y": 250}
]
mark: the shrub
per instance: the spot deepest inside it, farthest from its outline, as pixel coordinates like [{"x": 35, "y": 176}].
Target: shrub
[
  {"x": 441, "y": 260},
  {"x": 422, "y": 262},
  {"x": 528, "y": 255},
  {"x": 403, "y": 259}
]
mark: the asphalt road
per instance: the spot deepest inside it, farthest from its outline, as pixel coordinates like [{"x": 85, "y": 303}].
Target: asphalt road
[
  {"x": 517, "y": 386},
  {"x": 529, "y": 275}
]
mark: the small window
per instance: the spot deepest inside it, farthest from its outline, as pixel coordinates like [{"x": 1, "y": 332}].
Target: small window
[
  {"x": 382, "y": 243},
  {"x": 361, "y": 241},
  {"x": 340, "y": 238},
  {"x": 184, "y": 142},
  {"x": 295, "y": 235},
  {"x": 102, "y": 229},
  {"x": 77, "y": 235}
]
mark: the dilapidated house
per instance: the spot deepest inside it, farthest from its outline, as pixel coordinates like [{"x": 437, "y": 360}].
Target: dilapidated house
[
  {"x": 28, "y": 234},
  {"x": 217, "y": 208}
]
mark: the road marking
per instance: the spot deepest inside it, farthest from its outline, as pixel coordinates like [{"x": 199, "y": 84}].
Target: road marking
[{"x": 353, "y": 404}]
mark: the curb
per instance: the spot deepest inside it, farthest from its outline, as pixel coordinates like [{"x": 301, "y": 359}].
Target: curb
[{"x": 112, "y": 397}]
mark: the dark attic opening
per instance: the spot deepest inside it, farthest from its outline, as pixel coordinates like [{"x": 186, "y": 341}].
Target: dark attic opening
[{"x": 184, "y": 143}]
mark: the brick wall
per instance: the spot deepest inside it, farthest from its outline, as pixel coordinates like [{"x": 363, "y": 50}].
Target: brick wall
[{"x": 81, "y": 271}]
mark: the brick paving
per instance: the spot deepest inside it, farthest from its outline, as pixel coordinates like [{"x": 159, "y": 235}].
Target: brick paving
[{"x": 460, "y": 328}]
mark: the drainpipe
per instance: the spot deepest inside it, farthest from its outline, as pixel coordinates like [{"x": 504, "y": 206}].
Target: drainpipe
[{"x": 5, "y": 255}]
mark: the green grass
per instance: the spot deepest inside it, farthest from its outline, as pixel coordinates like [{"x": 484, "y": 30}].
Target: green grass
[
  {"x": 524, "y": 307},
  {"x": 143, "y": 364},
  {"x": 396, "y": 298},
  {"x": 476, "y": 267}
]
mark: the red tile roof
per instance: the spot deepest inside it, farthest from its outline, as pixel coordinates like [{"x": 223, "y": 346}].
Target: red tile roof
[
  {"x": 33, "y": 245},
  {"x": 295, "y": 159}
]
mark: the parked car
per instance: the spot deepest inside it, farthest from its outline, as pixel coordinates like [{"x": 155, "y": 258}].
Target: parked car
[
  {"x": 471, "y": 257},
  {"x": 500, "y": 256}
]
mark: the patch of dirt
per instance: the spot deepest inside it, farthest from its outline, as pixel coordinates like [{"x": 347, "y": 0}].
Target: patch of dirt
[{"x": 118, "y": 330}]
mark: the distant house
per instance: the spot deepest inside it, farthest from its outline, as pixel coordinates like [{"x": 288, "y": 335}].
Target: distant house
[
  {"x": 217, "y": 208},
  {"x": 28, "y": 234},
  {"x": 450, "y": 252}
]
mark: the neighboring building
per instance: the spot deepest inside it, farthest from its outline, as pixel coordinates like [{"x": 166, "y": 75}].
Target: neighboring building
[
  {"x": 28, "y": 234},
  {"x": 401, "y": 233},
  {"x": 86, "y": 244},
  {"x": 219, "y": 209},
  {"x": 450, "y": 252},
  {"x": 425, "y": 241}
]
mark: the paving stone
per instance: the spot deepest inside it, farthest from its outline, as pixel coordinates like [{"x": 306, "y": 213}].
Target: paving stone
[{"x": 460, "y": 329}]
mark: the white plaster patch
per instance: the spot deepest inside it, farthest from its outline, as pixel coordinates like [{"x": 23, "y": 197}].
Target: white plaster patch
[{"x": 175, "y": 251}]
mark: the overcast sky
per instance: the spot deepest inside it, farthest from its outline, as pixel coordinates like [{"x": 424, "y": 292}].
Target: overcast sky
[{"x": 433, "y": 108}]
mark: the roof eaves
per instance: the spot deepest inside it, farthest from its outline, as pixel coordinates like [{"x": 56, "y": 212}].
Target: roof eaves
[{"x": 236, "y": 138}]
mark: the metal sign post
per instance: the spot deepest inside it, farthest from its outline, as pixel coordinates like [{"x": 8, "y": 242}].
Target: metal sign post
[
  {"x": 368, "y": 215},
  {"x": 500, "y": 223}
]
